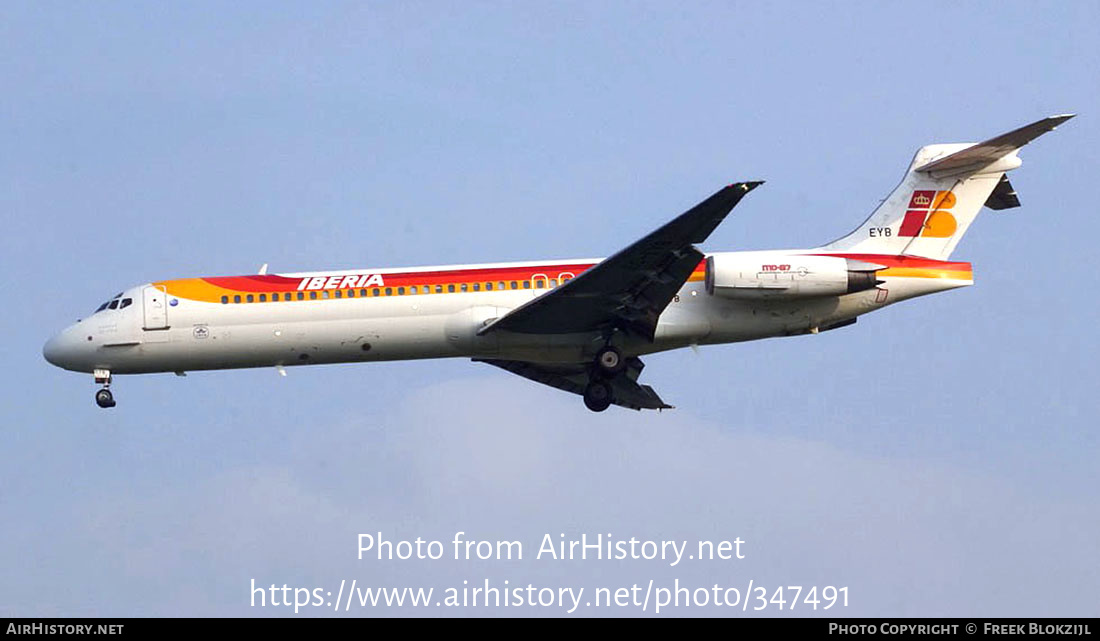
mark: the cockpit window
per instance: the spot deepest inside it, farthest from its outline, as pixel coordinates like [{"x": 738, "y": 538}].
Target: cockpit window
[{"x": 116, "y": 302}]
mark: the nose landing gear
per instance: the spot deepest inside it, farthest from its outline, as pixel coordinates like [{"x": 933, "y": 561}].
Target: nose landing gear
[{"x": 103, "y": 397}]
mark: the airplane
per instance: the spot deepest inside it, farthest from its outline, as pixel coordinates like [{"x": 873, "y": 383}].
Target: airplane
[{"x": 578, "y": 325}]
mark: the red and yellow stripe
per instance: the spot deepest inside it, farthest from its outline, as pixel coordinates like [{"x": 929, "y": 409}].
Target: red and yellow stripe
[
  {"x": 915, "y": 266},
  {"x": 212, "y": 289}
]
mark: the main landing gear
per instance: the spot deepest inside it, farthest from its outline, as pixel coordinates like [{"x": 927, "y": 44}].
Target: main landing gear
[
  {"x": 103, "y": 397},
  {"x": 597, "y": 395},
  {"x": 608, "y": 364}
]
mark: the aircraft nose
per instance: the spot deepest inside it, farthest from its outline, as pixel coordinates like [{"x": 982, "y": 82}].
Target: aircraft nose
[
  {"x": 50, "y": 351},
  {"x": 59, "y": 349}
]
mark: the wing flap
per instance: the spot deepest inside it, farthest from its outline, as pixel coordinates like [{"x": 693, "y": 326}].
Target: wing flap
[{"x": 626, "y": 392}]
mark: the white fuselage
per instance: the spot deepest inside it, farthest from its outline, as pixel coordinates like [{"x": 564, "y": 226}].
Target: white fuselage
[{"x": 324, "y": 317}]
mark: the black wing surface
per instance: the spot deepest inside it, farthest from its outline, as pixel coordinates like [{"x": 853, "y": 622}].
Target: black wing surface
[
  {"x": 626, "y": 391},
  {"x": 629, "y": 290}
]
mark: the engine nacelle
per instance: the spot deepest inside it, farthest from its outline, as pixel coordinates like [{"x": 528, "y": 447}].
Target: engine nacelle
[{"x": 752, "y": 275}]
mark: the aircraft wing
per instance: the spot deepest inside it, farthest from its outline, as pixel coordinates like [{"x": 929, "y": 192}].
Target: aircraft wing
[
  {"x": 630, "y": 289},
  {"x": 574, "y": 378}
]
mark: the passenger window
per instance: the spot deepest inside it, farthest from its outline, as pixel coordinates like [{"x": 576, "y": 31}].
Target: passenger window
[
  {"x": 439, "y": 289},
  {"x": 225, "y": 299},
  {"x": 450, "y": 288},
  {"x": 376, "y": 292},
  {"x": 313, "y": 295},
  {"x": 237, "y": 298},
  {"x": 301, "y": 296},
  {"x": 351, "y": 293},
  {"x": 113, "y": 305},
  {"x": 324, "y": 294},
  {"x": 338, "y": 294},
  {"x": 250, "y": 298},
  {"x": 500, "y": 285},
  {"x": 477, "y": 287},
  {"x": 389, "y": 291},
  {"x": 400, "y": 291},
  {"x": 488, "y": 287},
  {"x": 527, "y": 284},
  {"x": 464, "y": 287},
  {"x": 553, "y": 282},
  {"x": 263, "y": 298}
]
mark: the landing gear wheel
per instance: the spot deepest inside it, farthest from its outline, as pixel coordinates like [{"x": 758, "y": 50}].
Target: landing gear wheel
[
  {"x": 610, "y": 362},
  {"x": 104, "y": 399},
  {"x": 597, "y": 396}
]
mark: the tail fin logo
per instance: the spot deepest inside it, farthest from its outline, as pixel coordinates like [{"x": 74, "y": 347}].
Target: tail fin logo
[{"x": 927, "y": 215}]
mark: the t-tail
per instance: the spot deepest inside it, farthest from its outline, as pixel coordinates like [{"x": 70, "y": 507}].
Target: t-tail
[{"x": 944, "y": 188}]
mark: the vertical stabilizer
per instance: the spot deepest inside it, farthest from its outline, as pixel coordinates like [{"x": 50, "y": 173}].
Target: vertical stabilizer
[{"x": 941, "y": 194}]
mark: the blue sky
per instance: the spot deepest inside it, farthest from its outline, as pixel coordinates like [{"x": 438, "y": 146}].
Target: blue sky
[{"x": 938, "y": 457}]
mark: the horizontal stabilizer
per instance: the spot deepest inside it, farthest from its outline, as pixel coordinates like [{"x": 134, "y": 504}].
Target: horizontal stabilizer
[
  {"x": 1003, "y": 196},
  {"x": 992, "y": 150}
]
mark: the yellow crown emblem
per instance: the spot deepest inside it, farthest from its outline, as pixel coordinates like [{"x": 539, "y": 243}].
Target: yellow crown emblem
[{"x": 922, "y": 200}]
